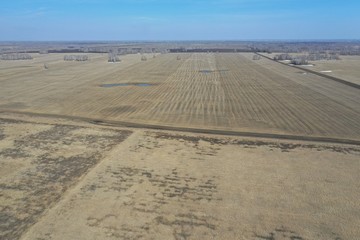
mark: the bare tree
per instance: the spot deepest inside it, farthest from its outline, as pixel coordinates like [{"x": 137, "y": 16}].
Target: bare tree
[
  {"x": 282, "y": 57},
  {"x": 113, "y": 58},
  {"x": 16, "y": 56},
  {"x": 256, "y": 57},
  {"x": 299, "y": 61},
  {"x": 80, "y": 58}
]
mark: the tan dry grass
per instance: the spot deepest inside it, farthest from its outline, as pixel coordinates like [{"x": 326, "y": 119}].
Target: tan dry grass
[
  {"x": 163, "y": 185},
  {"x": 348, "y": 68}
]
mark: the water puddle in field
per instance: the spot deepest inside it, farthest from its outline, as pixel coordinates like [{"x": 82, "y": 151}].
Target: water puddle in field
[{"x": 109, "y": 85}]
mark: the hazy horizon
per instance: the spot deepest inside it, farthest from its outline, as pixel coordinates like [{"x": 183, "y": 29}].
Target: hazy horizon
[{"x": 160, "y": 20}]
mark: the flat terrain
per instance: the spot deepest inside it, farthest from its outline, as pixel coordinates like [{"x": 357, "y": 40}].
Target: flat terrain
[
  {"x": 62, "y": 179},
  {"x": 96, "y": 150},
  {"x": 347, "y": 68},
  {"x": 39, "y": 162},
  {"x": 211, "y": 91}
]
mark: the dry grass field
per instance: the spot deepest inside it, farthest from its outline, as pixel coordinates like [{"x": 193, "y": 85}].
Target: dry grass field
[
  {"x": 347, "y": 68},
  {"x": 62, "y": 179},
  {"x": 39, "y": 162},
  {"x": 98, "y": 150}
]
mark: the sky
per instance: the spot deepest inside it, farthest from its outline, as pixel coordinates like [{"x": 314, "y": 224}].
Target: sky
[{"x": 171, "y": 20}]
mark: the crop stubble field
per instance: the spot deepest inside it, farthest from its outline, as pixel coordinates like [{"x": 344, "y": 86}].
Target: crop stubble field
[
  {"x": 346, "y": 68},
  {"x": 211, "y": 91},
  {"x": 65, "y": 178}
]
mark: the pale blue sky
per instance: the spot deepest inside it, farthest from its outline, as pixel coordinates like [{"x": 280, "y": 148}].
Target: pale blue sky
[{"x": 178, "y": 19}]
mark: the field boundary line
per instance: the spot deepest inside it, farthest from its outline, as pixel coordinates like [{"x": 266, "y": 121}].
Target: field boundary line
[
  {"x": 339, "y": 80},
  {"x": 114, "y": 123}
]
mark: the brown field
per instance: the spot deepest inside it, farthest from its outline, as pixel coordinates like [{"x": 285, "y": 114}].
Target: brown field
[
  {"x": 72, "y": 180},
  {"x": 82, "y": 160},
  {"x": 211, "y": 91},
  {"x": 347, "y": 68}
]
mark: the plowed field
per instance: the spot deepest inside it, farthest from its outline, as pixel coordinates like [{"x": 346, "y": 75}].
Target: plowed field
[{"x": 210, "y": 91}]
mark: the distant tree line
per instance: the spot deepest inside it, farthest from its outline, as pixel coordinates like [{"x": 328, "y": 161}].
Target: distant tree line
[
  {"x": 16, "y": 56},
  {"x": 296, "y": 60},
  {"x": 121, "y": 50},
  {"x": 299, "y": 61},
  {"x": 301, "y": 47},
  {"x": 323, "y": 56},
  {"x": 303, "y": 59},
  {"x": 283, "y": 57},
  {"x": 80, "y": 58},
  {"x": 316, "y": 47}
]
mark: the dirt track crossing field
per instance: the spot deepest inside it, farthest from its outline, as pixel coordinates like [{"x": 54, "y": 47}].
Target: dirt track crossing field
[
  {"x": 72, "y": 180},
  {"x": 38, "y": 163}
]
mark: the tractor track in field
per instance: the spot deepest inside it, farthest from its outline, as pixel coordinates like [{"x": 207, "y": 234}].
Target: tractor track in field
[{"x": 112, "y": 123}]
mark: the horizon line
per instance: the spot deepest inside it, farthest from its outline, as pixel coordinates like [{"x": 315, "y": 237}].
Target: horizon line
[{"x": 194, "y": 40}]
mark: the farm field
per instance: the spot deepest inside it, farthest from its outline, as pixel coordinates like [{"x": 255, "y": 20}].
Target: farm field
[
  {"x": 63, "y": 179},
  {"x": 72, "y": 168},
  {"x": 347, "y": 68},
  {"x": 200, "y": 90}
]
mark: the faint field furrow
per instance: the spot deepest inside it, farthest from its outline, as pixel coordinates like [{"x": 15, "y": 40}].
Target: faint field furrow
[
  {"x": 318, "y": 87},
  {"x": 301, "y": 100},
  {"x": 127, "y": 96},
  {"x": 197, "y": 97},
  {"x": 242, "y": 100},
  {"x": 317, "y": 105},
  {"x": 247, "y": 95},
  {"x": 343, "y": 94},
  {"x": 50, "y": 86},
  {"x": 255, "y": 99},
  {"x": 200, "y": 90}
]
